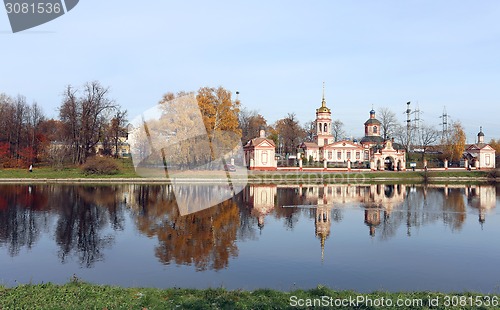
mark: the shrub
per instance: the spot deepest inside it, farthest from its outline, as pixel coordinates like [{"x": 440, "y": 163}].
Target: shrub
[{"x": 100, "y": 165}]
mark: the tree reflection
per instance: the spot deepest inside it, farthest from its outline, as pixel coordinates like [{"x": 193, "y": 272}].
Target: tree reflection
[
  {"x": 454, "y": 208},
  {"x": 20, "y": 219},
  {"x": 205, "y": 239},
  {"x": 84, "y": 216}
]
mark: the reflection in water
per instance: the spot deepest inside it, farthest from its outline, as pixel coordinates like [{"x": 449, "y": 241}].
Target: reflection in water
[
  {"x": 84, "y": 220},
  {"x": 84, "y": 215},
  {"x": 81, "y": 214},
  {"x": 20, "y": 218},
  {"x": 386, "y": 206},
  {"x": 205, "y": 239}
]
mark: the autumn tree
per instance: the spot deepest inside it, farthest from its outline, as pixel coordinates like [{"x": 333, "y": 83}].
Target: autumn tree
[
  {"x": 220, "y": 116},
  {"x": 388, "y": 122},
  {"x": 496, "y": 145},
  {"x": 219, "y": 111},
  {"x": 19, "y": 127},
  {"x": 4, "y": 151},
  {"x": 84, "y": 117},
  {"x": 290, "y": 132},
  {"x": 250, "y": 122},
  {"x": 454, "y": 142},
  {"x": 164, "y": 133},
  {"x": 338, "y": 130}
]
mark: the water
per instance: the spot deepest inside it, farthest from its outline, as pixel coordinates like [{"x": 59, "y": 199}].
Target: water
[{"x": 365, "y": 238}]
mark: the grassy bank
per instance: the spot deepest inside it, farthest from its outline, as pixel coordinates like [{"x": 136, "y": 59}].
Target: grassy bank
[
  {"x": 78, "y": 295},
  {"x": 126, "y": 171}
]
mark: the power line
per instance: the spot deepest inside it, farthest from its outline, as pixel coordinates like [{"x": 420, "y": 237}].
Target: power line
[{"x": 444, "y": 122}]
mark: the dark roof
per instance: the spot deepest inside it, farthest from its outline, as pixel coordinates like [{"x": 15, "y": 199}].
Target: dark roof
[
  {"x": 309, "y": 145},
  {"x": 372, "y": 121},
  {"x": 395, "y": 146},
  {"x": 479, "y": 146},
  {"x": 372, "y": 139},
  {"x": 398, "y": 146}
]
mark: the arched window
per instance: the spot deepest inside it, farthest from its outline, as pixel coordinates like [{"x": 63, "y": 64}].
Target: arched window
[
  {"x": 325, "y": 128},
  {"x": 375, "y": 129}
]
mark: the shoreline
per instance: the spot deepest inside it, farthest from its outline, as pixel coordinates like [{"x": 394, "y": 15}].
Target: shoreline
[{"x": 265, "y": 179}]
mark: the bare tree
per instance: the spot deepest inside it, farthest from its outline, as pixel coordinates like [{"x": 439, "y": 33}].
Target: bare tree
[
  {"x": 290, "y": 131},
  {"x": 250, "y": 122},
  {"x": 404, "y": 137},
  {"x": 388, "y": 122},
  {"x": 118, "y": 129},
  {"x": 310, "y": 131},
  {"x": 426, "y": 136},
  {"x": 85, "y": 117},
  {"x": 338, "y": 130}
]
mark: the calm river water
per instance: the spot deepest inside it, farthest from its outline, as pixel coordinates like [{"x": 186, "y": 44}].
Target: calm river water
[{"x": 365, "y": 238}]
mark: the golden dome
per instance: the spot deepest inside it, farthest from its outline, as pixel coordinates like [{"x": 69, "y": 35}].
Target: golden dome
[{"x": 323, "y": 107}]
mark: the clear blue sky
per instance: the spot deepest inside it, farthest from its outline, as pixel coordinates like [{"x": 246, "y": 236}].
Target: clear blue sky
[{"x": 276, "y": 53}]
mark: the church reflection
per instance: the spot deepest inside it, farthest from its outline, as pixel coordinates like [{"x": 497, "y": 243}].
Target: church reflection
[
  {"x": 84, "y": 220},
  {"x": 386, "y": 207},
  {"x": 482, "y": 198}
]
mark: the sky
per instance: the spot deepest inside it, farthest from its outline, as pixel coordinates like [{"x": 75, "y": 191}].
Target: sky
[{"x": 277, "y": 54}]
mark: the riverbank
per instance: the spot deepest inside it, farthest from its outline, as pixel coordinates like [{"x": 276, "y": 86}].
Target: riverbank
[
  {"x": 74, "y": 175},
  {"x": 80, "y": 295}
]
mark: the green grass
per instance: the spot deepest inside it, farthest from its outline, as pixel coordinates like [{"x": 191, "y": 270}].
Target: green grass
[
  {"x": 79, "y": 295},
  {"x": 126, "y": 171}
]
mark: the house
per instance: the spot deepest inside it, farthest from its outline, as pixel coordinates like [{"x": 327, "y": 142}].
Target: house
[
  {"x": 260, "y": 153},
  {"x": 480, "y": 155}
]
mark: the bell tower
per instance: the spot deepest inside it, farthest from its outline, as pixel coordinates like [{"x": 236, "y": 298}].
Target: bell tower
[{"x": 323, "y": 123}]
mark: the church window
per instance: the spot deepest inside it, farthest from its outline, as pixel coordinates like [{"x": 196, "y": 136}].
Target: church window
[
  {"x": 329, "y": 154},
  {"x": 357, "y": 156},
  {"x": 348, "y": 155},
  {"x": 375, "y": 129},
  {"x": 326, "y": 130},
  {"x": 487, "y": 160},
  {"x": 339, "y": 155},
  {"x": 325, "y": 141},
  {"x": 367, "y": 155}
]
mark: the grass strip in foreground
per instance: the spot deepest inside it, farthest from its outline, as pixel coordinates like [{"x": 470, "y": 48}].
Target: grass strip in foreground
[{"x": 80, "y": 295}]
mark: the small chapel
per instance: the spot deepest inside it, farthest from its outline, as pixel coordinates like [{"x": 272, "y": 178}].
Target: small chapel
[
  {"x": 480, "y": 155},
  {"x": 260, "y": 152}
]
